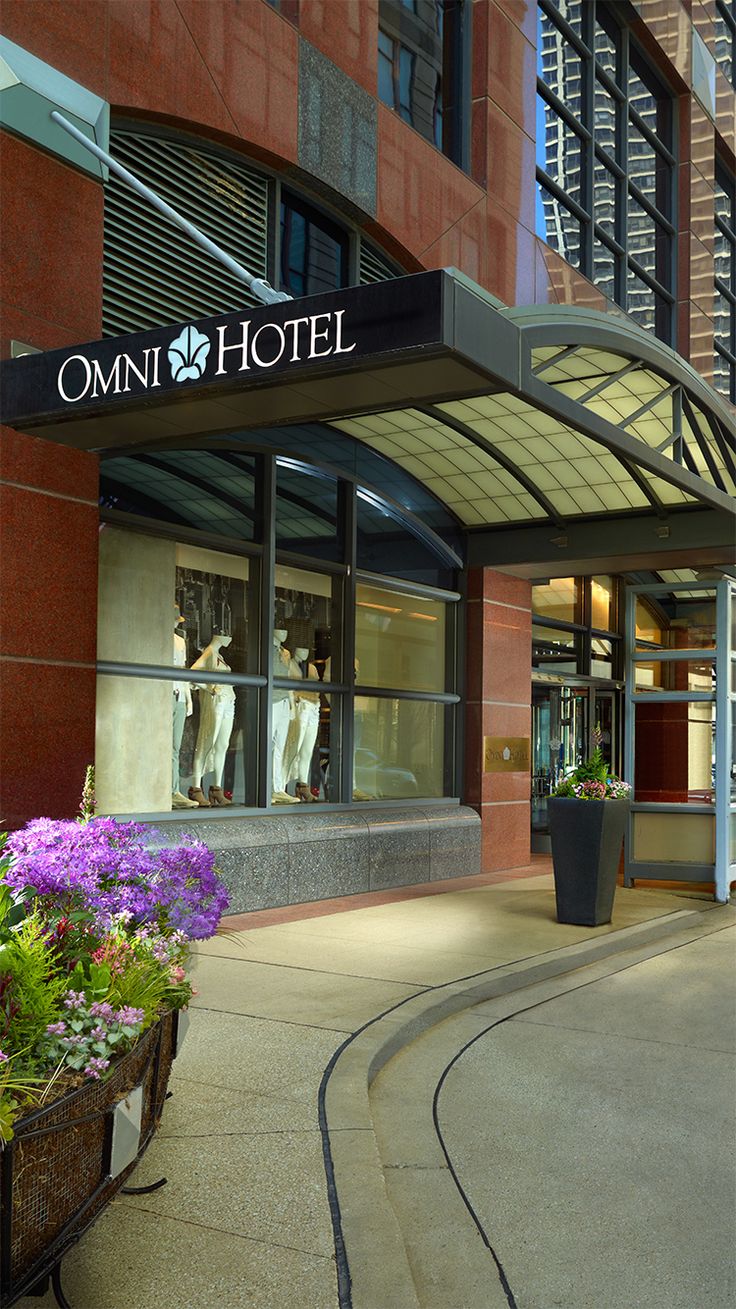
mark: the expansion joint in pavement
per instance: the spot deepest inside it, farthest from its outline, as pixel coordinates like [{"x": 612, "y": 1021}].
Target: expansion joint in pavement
[{"x": 406, "y": 1236}]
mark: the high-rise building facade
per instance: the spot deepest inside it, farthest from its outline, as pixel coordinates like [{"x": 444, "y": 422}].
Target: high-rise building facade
[{"x": 348, "y": 560}]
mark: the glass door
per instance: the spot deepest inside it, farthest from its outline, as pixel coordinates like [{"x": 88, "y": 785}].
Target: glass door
[{"x": 560, "y": 726}]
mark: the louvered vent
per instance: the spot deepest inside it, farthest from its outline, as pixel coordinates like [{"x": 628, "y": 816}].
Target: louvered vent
[
  {"x": 374, "y": 266},
  {"x": 153, "y": 273}
]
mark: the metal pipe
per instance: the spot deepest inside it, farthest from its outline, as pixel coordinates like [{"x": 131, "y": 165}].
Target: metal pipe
[{"x": 257, "y": 285}]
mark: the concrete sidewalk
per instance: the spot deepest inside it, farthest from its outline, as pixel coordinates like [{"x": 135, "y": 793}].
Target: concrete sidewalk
[{"x": 484, "y": 1135}]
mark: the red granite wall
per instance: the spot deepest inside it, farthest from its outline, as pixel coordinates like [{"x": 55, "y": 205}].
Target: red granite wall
[{"x": 498, "y": 688}]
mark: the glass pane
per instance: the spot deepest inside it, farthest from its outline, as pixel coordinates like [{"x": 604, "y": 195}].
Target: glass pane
[
  {"x": 386, "y": 69},
  {"x": 724, "y": 205},
  {"x": 559, "y": 736},
  {"x": 151, "y": 589},
  {"x": 674, "y": 752},
  {"x": 643, "y": 160},
  {"x": 313, "y": 251},
  {"x": 604, "y": 269},
  {"x": 161, "y": 744},
  {"x": 306, "y": 512},
  {"x": 560, "y": 598},
  {"x": 558, "y": 226},
  {"x": 723, "y": 319},
  {"x": 676, "y": 676},
  {"x": 212, "y": 491},
  {"x": 605, "y": 45},
  {"x": 554, "y": 651},
  {"x": 386, "y": 546},
  {"x": 733, "y": 837},
  {"x": 559, "y": 149},
  {"x": 602, "y": 598},
  {"x": 399, "y": 749},
  {"x": 605, "y": 196},
  {"x": 302, "y": 761},
  {"x": 676, "y": 622},
  {"x": 674, "y": 838},
  {"x": 601, "y": 657},
  {"x": 724, "y": 258},
  {"x": 606, "y": 114},
  {"x": 211, "y": 597},
  {"x": 647, "y": 308},
  {"x": 303, "y": 620},
  {"x": 648, "y": 106},
  {"x": 648, "y": 242},
  {"x": 571, "y": 11},
  {"x": 399, "y": 640},
  {"x": 724, "y": 377}
]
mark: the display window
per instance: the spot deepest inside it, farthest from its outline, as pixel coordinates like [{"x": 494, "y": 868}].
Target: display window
[
  {"x": 217, "y": 694},
  {"x": 399, "y": 640},
  {"x": 398, "y": 748}
]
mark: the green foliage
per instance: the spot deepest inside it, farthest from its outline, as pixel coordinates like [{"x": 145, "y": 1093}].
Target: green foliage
[
  {"x": 32, "y": 990},
  {"x": 595, "y": 769},
  {"x": 93, "y": 979},
  {"x": 145, "y": 985}
]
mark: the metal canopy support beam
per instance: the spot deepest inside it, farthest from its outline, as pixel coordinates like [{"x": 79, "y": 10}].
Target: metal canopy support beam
[
  {"x": 256, "y": 285},
  {"x": 619, "y": 442}
]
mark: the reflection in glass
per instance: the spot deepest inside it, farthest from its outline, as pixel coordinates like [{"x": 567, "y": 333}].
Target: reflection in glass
[
  {"x": 604, "y": 269},
  {"x": 303, "y": 608},
  {"x": 601, "y": 657},
  {"x": 606, "y": 112},
  {"x": 314, "y": 251},
  {"x": 559, "y": 736},
  {"x": 399, "y": 749},
  {"x": 660, "y": 675},
  {"x": 558, "y": 226},
  {"x": 306, "y": 511},
  {"x": 399, "y": 640},
  {"x": 601, "y": 603},
  {"x": 210, "y": 589},
  {"x": 676, "y": 622},
  {"x": 674, "y": 752},
  {"x": 560, "y": 598},
  {"x": 559, "y": 149},
  {"x": 604, "y": 198},
  {"x": 553, "y": 650}
]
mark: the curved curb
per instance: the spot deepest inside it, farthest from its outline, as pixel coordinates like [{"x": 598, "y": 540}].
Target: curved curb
[{"x": 373, "y": 1264}]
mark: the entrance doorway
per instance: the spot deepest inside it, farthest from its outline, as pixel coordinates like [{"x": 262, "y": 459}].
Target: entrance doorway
[{"x": 565, "y": 716}]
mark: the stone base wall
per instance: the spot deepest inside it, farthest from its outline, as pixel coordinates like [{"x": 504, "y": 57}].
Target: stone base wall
[{"x": 294, "y": 858}]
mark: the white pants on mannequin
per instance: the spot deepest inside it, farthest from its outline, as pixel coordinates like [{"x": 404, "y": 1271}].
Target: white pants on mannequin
[
  {"x": 280, "y": 715},
  {"x": 306, "y": 725},
  {"x": 180, "y": 717},
  {"x": 216, "y": 713}
]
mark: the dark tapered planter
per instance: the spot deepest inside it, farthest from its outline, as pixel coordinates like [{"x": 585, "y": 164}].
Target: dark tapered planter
[{"x": 586, "y": 838}]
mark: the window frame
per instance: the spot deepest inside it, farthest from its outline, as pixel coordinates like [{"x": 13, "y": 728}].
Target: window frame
[{"x": 595, "y": 240}]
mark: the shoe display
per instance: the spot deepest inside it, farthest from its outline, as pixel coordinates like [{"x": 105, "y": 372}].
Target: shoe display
[
  {"x": 179, "y": 801},
  {"x": 304, "y": 793},
  {"x": 362, "y": 795},
  {"x": 196, "y": 794},
  {"x": 280, "y": 797},
  {"x": 217, "y": 796}
]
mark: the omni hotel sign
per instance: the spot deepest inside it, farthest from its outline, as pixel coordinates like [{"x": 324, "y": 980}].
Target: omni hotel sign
[
  {"x": 233, "y": 348},
  {"x": 405, "y": 341}
]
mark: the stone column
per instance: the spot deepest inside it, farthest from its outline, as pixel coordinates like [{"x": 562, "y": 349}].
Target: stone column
[{"x": 498, "y": 691}]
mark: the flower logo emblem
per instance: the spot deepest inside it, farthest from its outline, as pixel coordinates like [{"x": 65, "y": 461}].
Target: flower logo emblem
[
  {"x": 506, "y": 754},
  {"x": 188, "y": 354}
]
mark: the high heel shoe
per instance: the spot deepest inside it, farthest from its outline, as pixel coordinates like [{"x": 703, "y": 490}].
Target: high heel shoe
[
  {"x": 197, "y": 794},
  {"x": 217, "y": 796}
]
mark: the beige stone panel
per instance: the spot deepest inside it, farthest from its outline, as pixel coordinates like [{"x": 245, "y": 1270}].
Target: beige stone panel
[
  {"x": 133, "y": 750},
  {"x": 135, "y": 615}
]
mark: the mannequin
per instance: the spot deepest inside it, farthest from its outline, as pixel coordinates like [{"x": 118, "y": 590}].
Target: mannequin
[
  {"x": 216, "y": 712},
  {"x": 282, "y": 711},
  {"x": 304, "y": 728},
  {"x": 182, "y": 709}
]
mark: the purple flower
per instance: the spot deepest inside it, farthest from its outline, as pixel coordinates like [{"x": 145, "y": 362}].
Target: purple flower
[
  {"x": 56, "y": 1029},
  {"x": 109, "y": 868},
  {"x": 98, "y": 1033},
  {"x": 74, "y": 1000},
  {"x": 129, "y": 1017},
  {"x": 96, "y": 1066},
  {"x": 101, "y": 1009},
  {"x": 3, "y": 1057}
]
